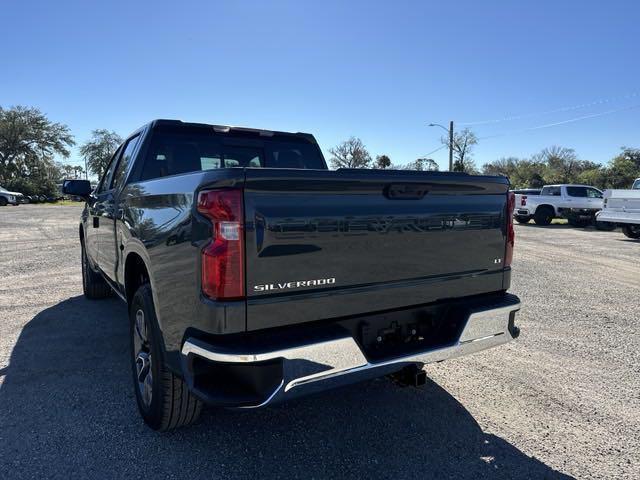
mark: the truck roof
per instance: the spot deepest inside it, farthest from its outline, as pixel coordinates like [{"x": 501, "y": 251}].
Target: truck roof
[
  {"x": 230, "y": 128},
  {"x": 569, "y": 185}
]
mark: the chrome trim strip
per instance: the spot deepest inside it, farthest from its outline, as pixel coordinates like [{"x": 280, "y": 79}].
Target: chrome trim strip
[{"x": 332, "y": 359}]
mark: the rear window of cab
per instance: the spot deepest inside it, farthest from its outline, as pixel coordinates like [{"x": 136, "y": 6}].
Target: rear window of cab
[{"x": 173, "y": 152}]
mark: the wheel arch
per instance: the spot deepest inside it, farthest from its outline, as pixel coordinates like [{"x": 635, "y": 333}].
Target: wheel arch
[
  {"x": 136, "y": 273},
  {"x": 547, "y": 206}
]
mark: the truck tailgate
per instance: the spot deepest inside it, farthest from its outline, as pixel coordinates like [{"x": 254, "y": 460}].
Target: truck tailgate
[{"x": 328, "y": 244}]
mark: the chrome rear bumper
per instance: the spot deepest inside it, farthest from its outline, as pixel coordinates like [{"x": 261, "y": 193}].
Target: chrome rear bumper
[{"x": 318, "y": 366}]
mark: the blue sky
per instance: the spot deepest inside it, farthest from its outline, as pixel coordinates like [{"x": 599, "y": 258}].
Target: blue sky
[{"x": 377, "y": 70}]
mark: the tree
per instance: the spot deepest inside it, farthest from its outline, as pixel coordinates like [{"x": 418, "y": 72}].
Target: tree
[
  {"x": 382, "y": 162},
  {"x": 521, "y": 172},
  {"x": 562, "y": 165},
  {"x": 99, "y": 149},
  {"x": 350, "y": 154},
  {"x": 78, "y": 171},
  {"x": 594, "y": 176},
  {"x": 624, "y": 168},
  {"x": 463, "y": 143},
  {"x": 422, "y": 164},
  {"x": 29, "y": 141}
]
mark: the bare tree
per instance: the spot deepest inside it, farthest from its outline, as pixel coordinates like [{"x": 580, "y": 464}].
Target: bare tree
[
  {"x": 463, "y": 143},
  {"x": 350, "y": 154}
]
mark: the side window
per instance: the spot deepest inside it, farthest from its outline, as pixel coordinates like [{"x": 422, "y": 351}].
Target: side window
[
  {"x": 636, "y": 185},
  {"x": 577, "y": 191},
  {"x": 174, "y": 154},
  {"x": 551, "y": 191},
  {"x": 125, "y": 159},
  {"x": 104, "y": 181},
  {"x": 593, "y": 193}
]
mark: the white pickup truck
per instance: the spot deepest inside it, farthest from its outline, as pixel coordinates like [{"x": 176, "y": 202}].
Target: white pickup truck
[
  {"x": 622, "y": 207},
  {"x": 577, "y": 203}
]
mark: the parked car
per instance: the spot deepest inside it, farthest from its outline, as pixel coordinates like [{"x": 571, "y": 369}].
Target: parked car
[
  {"x": 254, "y": 274},
  {"x": 577, "y": 203},
  {"x": 622, "y": 207},
  {"x": 10, "y": 198}
]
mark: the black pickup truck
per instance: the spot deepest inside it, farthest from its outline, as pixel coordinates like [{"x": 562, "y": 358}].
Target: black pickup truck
[{"x": 253, "y": 274}]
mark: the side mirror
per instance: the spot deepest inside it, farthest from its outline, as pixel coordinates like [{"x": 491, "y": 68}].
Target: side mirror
[{"x": 78, "y": 188}]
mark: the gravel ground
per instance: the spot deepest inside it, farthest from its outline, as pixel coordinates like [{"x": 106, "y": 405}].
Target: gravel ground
[{"x": 562, "y": 401}]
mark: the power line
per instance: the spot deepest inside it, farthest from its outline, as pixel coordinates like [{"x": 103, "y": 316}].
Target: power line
[
  {"x": 563, "y": 122},
  {"x": 548, "y": 112},
  {"x": 436, "y": 150}
]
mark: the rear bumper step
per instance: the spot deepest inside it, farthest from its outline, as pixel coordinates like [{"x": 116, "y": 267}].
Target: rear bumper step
[{"x": 305, "y": 368}]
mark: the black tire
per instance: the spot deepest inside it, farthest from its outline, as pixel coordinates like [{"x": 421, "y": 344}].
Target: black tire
[
  {"x": 163, "y": 399},
  {"x": 93, "y": 285},
  {"x": 631, "y": 231},
  {"x": 606, "y": 226},
  {"x": 543, "y": 216},
  {"x": 522, "y": 218},
  {"x": 3, "y": 202}
]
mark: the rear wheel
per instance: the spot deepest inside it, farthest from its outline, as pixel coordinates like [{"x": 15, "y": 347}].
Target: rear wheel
[
  {"x": 631, "y": 231},
  {"x": 522, "y": 218},
  {"x": 164, "y": 401},
  {"x": 543, "y": 216},
  {"x": 93, "y": 285}
]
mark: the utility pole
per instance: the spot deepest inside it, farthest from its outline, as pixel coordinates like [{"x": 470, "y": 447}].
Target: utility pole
[
  {"x": 451, "y": 146},
  {"x": 86, "y": 172},
  {"x": 450, "y": 132}
]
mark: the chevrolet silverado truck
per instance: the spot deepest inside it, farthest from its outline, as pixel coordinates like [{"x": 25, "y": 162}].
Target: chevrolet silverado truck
[
  {"x": 577, "y": 203},
  {"x": 622, "y": 208},
  {"x": 253, "y": 274}
]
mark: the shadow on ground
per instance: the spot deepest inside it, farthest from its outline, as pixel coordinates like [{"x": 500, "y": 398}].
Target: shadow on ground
[{"x": 67, "y": 409}]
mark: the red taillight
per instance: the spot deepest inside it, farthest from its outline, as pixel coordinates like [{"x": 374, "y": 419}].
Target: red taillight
[
  {"x": 523, "y": 200},
  {"x": 223, "y": 257},
  {"x": 511, "y": 234}
]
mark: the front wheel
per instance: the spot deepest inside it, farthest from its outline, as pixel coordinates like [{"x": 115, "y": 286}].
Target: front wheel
[
  {"x": 164, "y": 401},
  {"x": 631, "y": 231}
]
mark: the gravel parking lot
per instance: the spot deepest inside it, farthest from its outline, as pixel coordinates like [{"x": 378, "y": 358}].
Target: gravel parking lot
[{"x": 562, "y": 401}]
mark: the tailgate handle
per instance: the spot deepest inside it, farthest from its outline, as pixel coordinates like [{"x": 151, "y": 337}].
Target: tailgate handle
[{"x": 406, "y": 191}]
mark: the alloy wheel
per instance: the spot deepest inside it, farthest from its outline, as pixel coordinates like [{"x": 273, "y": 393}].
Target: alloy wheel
[{"x": 143, "y": 358}]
